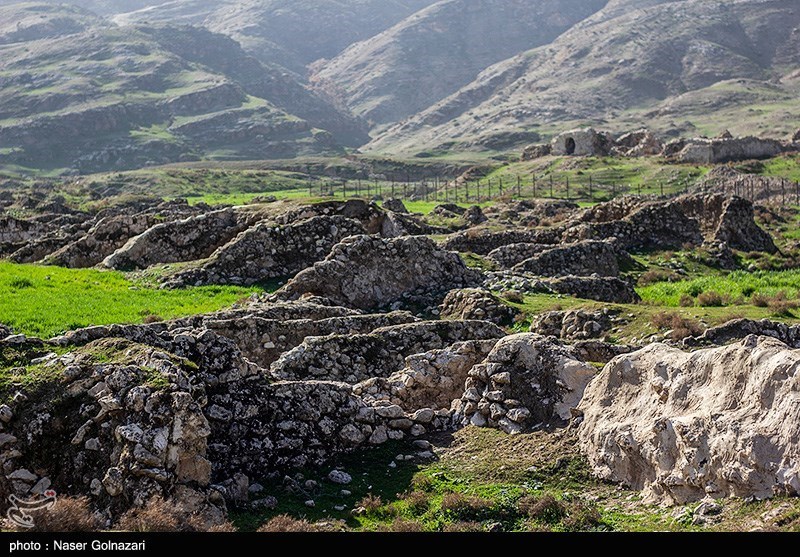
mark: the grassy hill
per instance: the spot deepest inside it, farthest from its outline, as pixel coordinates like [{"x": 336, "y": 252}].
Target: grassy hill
[
  {"x": 100, "y": 96},
  {"x": 678, "y": 66}
]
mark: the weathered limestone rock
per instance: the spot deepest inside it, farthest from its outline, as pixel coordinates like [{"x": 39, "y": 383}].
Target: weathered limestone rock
[
  {"x": 573, "y": 324},
  {"x": 639, "y": 143},
  {"x": 267, "y": 251},
  {"x": 395, "y": 206},
  {"x": 476, "y": 304},
  {"x": 264, "y": 340},
  {"x": 721, "y": 150},
  {"x": 355, "y": 358},
  {"x": 601, "y": 289},
  {"x": 483, "y": 242},
  {"x": 507, "y": 257},
  {"x": 105, "y": 237},
  {"x": 527, "y": 380},
  {"x": 18, "y": 231},
  {"x": 580, "y": 259},
  {"x": 582, "y": 142},
  {"x": 365, "y": 272},
  {"x": 648, "y": 226},
  {"x": 184, "y": 240},
  {"x": 682, "y": 426},
  {"x": 368, "y": 214},
  {"x": 738, "y": 329},
  {"x": 431, "y": 380},
  {"x": 727, "y": 219}
]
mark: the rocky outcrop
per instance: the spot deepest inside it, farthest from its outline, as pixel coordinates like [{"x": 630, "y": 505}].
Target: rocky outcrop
[
  {"x": 395, "y": 206},
  {"x": 639, "y": 143},
  {"x": 365, "y": 272},
  {"x": 105, "y": 237},
  {"x": 368, "y": 214},
  {"x": 598, "y": 351},
  {"x": 507, "y": 257},
  {"x": 401, "y": 224},
  {"x": 268, "y": 251},
  {"x": 582, "y": 142},
  {"x": 526, "y": 381},
  {"x": 728, "y": 219},
  {"x": 183, "y": 240},
  {"x": 651, "y": 226},
  {"x": 738, "y": 329},
  {"x": 432, "y": 380},
  {"x": 727, "y": 149},
  {"x": 264, "y": 340},
  {"x": 120, "y": 432},
  {"x": 483, "y": 242},
  {"x": 355, "y": 358},
  {"x": 573, "y": 324},
  {"x": 601, "y": 289},
  {"x": 581, "y": 259},
  {"x": 476, "y": 304},
  {"x": 681, "y": 426},
  {"x": 17, "y": 231}
]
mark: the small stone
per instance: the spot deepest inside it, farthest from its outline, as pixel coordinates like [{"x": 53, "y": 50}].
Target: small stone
[
  {"x": 132, "y": 433},
  {"x": 255, "y": 489},
  {"x": 421, "y": 444},
  {"x": 6, "y": 414},
  {"x": 113, "y": 482},
  {"x": 495, "y": 396},
  {"x": 41, "y": 486},
  {"x": 379, "y": 436},
  {"x": 417, "y": 430},
  {"x": 392, "y": 412},
  {"x": 92, "y": 444},
  {"x": 478, "y": 420},
  {"x": 339, "y": 508},
  {"x": 265, "y": 503},
  {"x": 518, "y": 415},
  {"x": 351, "y": 434},
  {"x": 96, "y": 487},
  {"x": 340, "y": 477},
  {"x": 23, "y": 475},
  {"x": 392, "y": 464},
  {"x": 310, "y": 504},
  {"x": 403, "y": 423},
  {"x": 423, "y": 416},
  {"x": 311, "y": 485},
  {"x": 708, "y": 507},
  {"x": 426, "y": 455},
  {"x": 6, "y": 438},
  {"x": 345, "y": 493}
]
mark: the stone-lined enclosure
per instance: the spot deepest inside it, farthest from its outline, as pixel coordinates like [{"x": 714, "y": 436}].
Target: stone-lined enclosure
[{"x": 374, "y": 337}]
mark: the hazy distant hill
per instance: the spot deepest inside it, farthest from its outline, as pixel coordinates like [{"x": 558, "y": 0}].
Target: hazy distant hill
[
  {"x": 95, "y": 96},
  {"x": 292, "y": 33},
  {"x": 672, "y": 64},
  {"x": 440, "y": 49},
  {"x": 94, "y": 84}
]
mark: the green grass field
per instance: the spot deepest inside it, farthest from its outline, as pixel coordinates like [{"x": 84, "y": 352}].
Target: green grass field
[
  {"x": 47, "y": 301},
  {"x": 737, "y": 286}
]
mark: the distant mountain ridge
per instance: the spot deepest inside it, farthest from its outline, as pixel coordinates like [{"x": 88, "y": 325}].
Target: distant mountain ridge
[{"x": 150, "y": 81}]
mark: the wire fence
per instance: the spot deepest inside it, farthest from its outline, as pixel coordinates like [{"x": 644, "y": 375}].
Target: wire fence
[{"x": 587, "y": 188}]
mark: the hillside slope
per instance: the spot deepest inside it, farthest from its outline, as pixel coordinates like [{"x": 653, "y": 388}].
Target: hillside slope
[
  {"x": 435, "y": 52},
  {"x": 292, "y": 33},
  {"x": 103, "y": 97},
  {"x": 634, "y": 62}
]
